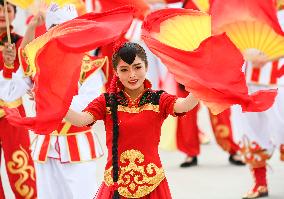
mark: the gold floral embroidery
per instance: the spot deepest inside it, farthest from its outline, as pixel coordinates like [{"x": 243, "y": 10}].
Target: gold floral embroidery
[
  {"x": 20, "y": 166},
  {"x": 253, "y": 154},
  {"x": 135, "y": 178},
  {"x": 146, "y": 107},
  {"x": 222, "y": 133}
]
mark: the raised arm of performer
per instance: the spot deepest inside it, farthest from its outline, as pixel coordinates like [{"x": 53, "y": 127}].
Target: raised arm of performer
[
  {"x": 126, "y": 73},
  {"x": 38, "y": 20},
  {"x": 182, "y": 105}
]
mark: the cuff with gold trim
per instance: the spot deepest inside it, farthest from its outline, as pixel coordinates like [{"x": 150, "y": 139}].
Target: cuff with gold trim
[{"x": 8, "y": 71}]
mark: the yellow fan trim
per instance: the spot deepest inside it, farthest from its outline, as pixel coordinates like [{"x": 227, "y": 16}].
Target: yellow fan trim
[
  {"x": 256, "y": 35},
  {"x": 184, "y": 32}
]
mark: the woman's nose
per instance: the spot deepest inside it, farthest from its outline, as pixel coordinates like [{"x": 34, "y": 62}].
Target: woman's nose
[{"x": 132, "y": 73}]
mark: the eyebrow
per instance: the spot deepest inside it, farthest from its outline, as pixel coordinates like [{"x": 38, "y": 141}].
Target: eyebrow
[
  {"x": 137, "y": 64},
  {"x": 123, "y": 66}
]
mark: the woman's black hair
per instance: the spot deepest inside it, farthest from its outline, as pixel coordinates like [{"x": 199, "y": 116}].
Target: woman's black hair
[
  {"x": 113, "y": 108},
  {"x": 127, "y": 53},
  {"x": 14, "y": 7},
  {"x": 115, "y": 133}
]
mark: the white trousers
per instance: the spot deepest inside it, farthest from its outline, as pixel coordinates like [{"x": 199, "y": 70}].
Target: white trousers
[
  {"x": 265, "y": 128},
  {"x": 66, "y": 181}
]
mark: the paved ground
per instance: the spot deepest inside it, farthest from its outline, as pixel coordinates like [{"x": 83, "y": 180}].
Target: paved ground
[{"x": 214, "y": 178}]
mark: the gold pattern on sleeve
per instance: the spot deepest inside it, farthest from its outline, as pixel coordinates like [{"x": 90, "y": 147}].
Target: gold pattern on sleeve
[
  {"x": 19, "y": 165},
  {"x": 136, "y": 179}
]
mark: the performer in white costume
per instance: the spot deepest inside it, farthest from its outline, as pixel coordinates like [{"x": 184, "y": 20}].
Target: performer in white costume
[
  {"x": 262, "y": 132},
  {"x": 14, "y": 141},
  {"x": 65, "y": 160}
]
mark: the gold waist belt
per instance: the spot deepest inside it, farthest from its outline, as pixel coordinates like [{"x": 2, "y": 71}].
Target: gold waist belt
[{"x": 13, "y": 104}]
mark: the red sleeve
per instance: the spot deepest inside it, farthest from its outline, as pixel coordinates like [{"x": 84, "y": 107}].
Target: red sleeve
[
  {"x": 7, "y": 71},
  {"x": 166, "y": 105},
  {"x": 97, "y": 108}
]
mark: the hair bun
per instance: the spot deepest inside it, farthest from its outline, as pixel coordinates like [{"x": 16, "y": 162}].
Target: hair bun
[{"x": 118, "y": 44}]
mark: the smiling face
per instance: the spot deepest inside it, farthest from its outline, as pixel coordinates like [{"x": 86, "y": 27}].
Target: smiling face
[
  {"x": 132, "y": 76},
  {"x": 130, "y": 63},
  {"x": 11, "y": 15}
]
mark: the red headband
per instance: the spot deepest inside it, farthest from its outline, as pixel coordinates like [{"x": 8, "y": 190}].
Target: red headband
[{"x": 118, "y": 44}]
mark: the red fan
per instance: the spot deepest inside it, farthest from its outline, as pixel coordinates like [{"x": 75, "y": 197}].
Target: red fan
[
  {"x": 252, "y": 26},
  {"x": 208, "y": 66},
  {"x": 57, "y": 57}
]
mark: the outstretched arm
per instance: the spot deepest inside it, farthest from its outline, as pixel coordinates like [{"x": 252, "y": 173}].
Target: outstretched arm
[
  {"x": 30, "y": 32},
  {"x": 183, "y": 105},
  {"x": 79, "y": 118}
]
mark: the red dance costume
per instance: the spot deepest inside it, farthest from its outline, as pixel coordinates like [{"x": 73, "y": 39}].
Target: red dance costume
[
  {"x": 141, "y": 174},
  {"x": 15, "y": 141}
]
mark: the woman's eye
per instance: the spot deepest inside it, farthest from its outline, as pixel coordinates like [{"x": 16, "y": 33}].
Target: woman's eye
[
  {"x": 123, "y": 70},
  {"x": 138, "y": 67}
]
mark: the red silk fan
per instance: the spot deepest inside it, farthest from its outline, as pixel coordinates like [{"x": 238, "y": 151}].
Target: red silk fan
[{"x": 208, "y": 66}]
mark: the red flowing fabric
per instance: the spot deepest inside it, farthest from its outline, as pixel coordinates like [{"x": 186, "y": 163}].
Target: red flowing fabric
[
  {"x": 190, "y": 5},
  {"x": 212, "y": 72},
  {"x": 246, "y": 10},
  {"x": 59, "y": 63},
  {"x": 141, "y": 6}
]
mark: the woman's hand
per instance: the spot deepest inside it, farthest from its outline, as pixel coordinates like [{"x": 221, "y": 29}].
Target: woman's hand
[
  {"x": 9, "y": 54},
  {"x": 37, "y": 20},
  {"x": 184, "y": 105},
  {"x": 79, "y": 119},
  {"x": 257, "y": 58}
]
